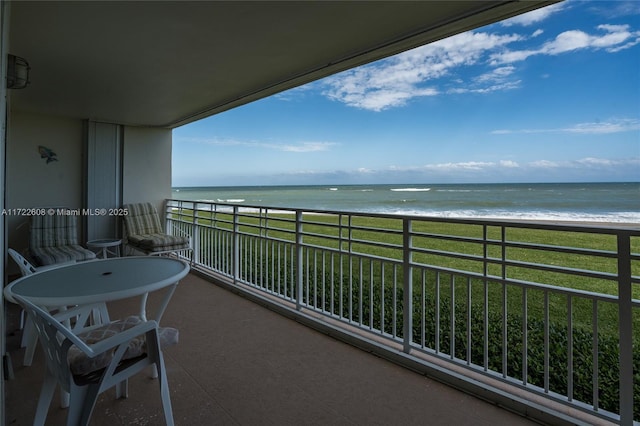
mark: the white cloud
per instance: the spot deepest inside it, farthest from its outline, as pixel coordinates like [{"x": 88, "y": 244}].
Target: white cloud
[
  {"x": 588, "y": 167},
  {"x": 585, "y": 169},
  {"x": 569, "y": 40},
  {"x": 588, "y": 164},
  {"x": 395, "y": 81},
  {"x": 509, "y": 57},
  {"x": 302, "y": 147},
  {"x": 534, "y": 16},
  {"x": 297, "y": 147},
  {"x": 613, "y": 39},
  {"x": 296, "y": 92},
  {"x": 489, "y": 168},
  {"x": 469, "y": 165},
  {"x": 613, "y": 126},
  {"x": 544, "y": 164},
  {"x": 591, "y": 163},
  {"x": 506, "y": 167},
  {"x": 509, "y": 164},
  {"x": 596, "y": 162},
  {"x": 616, "y": 125},
  {"x": 498, "y": 79},
  {"x": 364, "y": 170},
  {"x": 509, "y": 85},
  {"x": 497, "y": 74}
]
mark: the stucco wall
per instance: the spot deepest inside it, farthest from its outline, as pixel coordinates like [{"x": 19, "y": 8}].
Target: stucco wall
[
  {"x": 31, "y": 182},
  {"x": 146, "y": 172}
]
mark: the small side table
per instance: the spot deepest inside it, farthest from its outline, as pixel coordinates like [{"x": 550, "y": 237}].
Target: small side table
[{"x": 105, "y": 244}]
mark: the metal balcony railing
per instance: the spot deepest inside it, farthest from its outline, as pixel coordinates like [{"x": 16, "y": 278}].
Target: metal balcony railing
[{"x": 550, "y": 309}]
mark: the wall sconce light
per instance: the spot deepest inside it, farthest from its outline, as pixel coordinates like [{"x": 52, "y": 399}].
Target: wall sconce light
[{"x": 17, "y": 72}]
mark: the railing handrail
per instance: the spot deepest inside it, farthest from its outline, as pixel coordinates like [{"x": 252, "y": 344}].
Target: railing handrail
[{"x": 595, "y": 228}]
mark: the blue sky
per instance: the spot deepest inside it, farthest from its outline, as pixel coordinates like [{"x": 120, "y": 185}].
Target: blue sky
[{"x": 549, "y": 96}]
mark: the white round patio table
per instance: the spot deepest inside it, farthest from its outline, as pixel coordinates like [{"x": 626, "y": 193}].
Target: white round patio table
[
  {"x": 101, "y": 281},
  {"x": 104, "y": 244}
]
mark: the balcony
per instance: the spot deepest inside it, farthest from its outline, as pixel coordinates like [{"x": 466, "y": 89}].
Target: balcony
[
  {"x": 532, "y": 334},
  {"x": 127, "y": 131},
  {"x": 240, "y": 363}
]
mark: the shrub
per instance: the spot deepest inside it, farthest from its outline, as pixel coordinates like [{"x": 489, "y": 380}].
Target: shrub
[{"x": 582, "y": 375}]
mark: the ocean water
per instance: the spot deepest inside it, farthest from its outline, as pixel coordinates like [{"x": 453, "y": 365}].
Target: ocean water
[{"x": 591, "y": 202}]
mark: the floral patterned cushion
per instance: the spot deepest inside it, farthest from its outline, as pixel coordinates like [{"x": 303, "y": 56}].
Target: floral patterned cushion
[{"x": 80, "y": 363}]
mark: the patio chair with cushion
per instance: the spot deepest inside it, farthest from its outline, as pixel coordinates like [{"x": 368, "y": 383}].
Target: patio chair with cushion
[
  {"x": 144, "y": 233},
  {"x": 54, "y": 239},
  {"x": 29, "y": 336},
  {"x": 86, "y": 363}
]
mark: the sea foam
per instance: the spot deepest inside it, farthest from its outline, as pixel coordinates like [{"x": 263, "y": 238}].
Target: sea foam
[{"x": 410, "y": 189}]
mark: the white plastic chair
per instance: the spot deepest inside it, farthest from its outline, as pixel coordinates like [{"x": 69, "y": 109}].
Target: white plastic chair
[
  {"x": 29, "y": 336},
  {"x": 26, "y": 268},
  {"x": 111, "y": 357}
]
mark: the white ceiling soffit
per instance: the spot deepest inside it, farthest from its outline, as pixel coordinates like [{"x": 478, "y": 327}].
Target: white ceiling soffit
[{"x": 169, "y": 63}]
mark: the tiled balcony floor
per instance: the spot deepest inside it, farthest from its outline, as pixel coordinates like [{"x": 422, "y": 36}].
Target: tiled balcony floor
[{"x": 238, "y": 363}]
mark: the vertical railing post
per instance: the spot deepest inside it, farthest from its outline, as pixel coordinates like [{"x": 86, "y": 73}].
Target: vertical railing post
[
  {"x": 485, "y": 308},
  {"x": 195, "y": 236},
  {"x": 505, "y": 307},
  {"x": 167, "y": 215},
  {"x": 407, "y": 288},
  {"x": 625, "y": 319},
  {"x": 299, "y": 265},
  {"x": 236, "y": 246}
]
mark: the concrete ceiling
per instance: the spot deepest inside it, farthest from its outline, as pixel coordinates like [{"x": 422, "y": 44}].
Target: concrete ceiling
[{"x": 169, "y": 63}]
